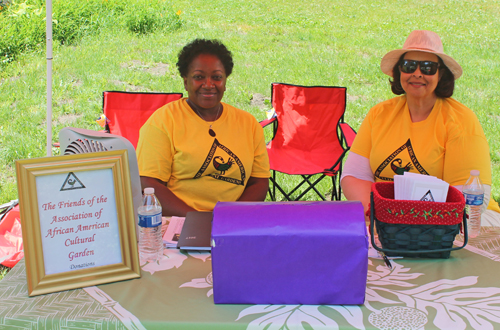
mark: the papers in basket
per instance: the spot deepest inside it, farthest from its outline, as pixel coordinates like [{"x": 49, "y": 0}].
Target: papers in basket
[{"x": 419, "y": 187}]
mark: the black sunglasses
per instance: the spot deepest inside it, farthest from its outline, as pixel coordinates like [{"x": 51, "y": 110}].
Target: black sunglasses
[{"x": 428, "y": 68}]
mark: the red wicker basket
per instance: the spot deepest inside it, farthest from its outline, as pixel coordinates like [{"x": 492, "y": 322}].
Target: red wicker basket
[{"x": 416, "y": 228}]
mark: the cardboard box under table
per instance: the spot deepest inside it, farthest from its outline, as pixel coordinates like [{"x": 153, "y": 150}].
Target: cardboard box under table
[{"x": 312, "y": 253}]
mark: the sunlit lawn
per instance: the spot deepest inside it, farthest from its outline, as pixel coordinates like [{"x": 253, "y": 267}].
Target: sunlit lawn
[{"x": 299, "y": 42}]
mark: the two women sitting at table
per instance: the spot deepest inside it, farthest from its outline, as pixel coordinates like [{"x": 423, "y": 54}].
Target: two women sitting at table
[
  {"x": 198, "y": 150},
  {"x": 424, "y": 130}
]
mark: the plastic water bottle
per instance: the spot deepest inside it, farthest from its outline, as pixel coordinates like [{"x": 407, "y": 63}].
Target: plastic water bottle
[
  {"x": 474, "y": 194},
  {"x": 150, "y": 239}
]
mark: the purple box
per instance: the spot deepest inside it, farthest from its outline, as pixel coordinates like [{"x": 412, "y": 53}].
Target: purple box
[{"x": 313, "y": 253}]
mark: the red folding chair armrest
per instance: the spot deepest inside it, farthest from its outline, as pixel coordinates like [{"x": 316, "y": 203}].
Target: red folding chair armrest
[
  {"x": 348, "y": 133},
  {"x": 266, "y": 122}
]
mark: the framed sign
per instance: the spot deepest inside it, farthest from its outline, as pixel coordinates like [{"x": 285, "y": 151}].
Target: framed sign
[{"x": 78, "y": 221}]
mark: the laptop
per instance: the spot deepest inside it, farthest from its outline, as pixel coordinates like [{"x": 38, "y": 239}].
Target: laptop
[{"x": 196, "y": 232}]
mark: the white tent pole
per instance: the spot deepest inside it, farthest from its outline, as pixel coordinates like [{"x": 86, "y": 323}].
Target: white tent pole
[{"x": 48, "y": 29}]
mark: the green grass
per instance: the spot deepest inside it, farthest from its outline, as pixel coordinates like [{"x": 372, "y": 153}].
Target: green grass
[
  {"x": 117, "y": 45},
  {"x": 3, "y": 271},
  {"x": 309, "y": 43}
]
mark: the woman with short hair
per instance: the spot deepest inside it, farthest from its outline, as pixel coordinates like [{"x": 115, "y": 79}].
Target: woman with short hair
[{"x": 198, "y": 150}]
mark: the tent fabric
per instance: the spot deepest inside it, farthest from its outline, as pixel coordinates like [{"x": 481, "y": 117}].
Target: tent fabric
[
  {"x": 11, "y": 238},
  {"x": 128, "y": 111}
]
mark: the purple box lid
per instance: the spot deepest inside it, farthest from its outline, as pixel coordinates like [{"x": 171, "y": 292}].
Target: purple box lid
[{"x": 289, "y": 253}]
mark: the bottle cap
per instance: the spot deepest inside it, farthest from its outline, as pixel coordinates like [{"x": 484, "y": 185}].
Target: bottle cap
[
  {"x": 474, "y": 172},
  {"x": 149, "y": 191}
]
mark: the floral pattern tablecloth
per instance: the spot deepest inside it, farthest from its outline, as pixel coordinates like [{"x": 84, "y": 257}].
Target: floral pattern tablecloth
[{"x": 462, "y": 292}]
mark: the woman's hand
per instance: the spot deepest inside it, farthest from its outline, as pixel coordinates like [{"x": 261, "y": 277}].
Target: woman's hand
[
  {"x": 255, "y": 190},
  {"x": 171, "y": 204}
]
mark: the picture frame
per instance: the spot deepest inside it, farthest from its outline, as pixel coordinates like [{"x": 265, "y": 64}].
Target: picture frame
[{"x": 78, "y": 221}]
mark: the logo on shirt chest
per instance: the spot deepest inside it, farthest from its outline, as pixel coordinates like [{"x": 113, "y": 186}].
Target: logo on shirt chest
[
  {"x": 402, "y": 160},
  {"x": 223, "y": 162}
]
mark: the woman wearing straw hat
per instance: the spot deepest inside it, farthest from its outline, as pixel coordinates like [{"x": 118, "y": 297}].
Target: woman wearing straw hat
[{"x": 423, "y": 130}]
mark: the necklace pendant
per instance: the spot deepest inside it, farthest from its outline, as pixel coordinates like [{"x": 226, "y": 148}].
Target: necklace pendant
[{"x": 211, "y": 132}]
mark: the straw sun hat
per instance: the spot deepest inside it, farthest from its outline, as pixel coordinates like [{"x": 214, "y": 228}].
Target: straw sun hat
[{"x": 421, "y": 41}]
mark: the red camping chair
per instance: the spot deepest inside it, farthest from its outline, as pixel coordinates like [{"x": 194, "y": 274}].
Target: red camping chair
[
  {"x": 128, "y": 111},
  {"x": 310, "y": 136}
]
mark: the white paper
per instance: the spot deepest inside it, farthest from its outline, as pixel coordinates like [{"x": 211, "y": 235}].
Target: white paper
[
  {"x": 78, "y": 220},
  {"x": 430, "y": 192},
  {"x": 412, "y": 186},
  {"x": 171, "y": 236},
  {"x": 399, "y": 182}
]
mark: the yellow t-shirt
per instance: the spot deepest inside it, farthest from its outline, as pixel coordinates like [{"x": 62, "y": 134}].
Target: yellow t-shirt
[
  {"x": 175, "y": 147},
  {"x": 447, "y": 145}
]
